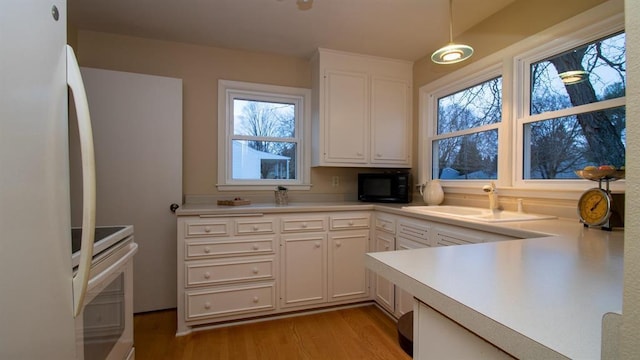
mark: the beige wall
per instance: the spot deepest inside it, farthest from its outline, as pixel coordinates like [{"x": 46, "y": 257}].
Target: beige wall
[{"x": 200, "y": 68}]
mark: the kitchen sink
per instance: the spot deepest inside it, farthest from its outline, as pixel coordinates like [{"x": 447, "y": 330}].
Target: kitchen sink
[{"x": 479, "y": 214}]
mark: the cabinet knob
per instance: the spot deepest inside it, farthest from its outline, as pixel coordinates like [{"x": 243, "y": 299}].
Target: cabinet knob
[
  {"x": 255, "y": 270},
  {"x": 256, "y": 247},
  {"x": 378, "y": 155},
  {"x": 207, "y": 275},
  {"x": 359, "y": 153},
  {"x": 207, "y": 229},
  {"x": 256, "y": 299},
  {"x": 255, "y": 228},
  {"x": 304, "y": 225},
  {"x": 386, "y": 246},
  {"x": 207, "y": 250},
  {"x": 207, "y": 305},
  {"x": 350, "y": 222},
  {"x": 317, "y": 244},
  {"x": 338, "y": 243}
]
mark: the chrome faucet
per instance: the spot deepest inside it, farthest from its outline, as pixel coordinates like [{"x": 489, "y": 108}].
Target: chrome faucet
[{"x": 493, "y": 195}]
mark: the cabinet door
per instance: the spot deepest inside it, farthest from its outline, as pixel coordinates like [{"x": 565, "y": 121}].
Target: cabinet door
[
  {"x": 346, "y": 117},
  {"x": 347, "y": 272},
  {"x": 404, "y": 300},
  {"x": 390, "y": 121},
  {"x": 303, "y": 269},
  {"x": 384, "y": 289}
]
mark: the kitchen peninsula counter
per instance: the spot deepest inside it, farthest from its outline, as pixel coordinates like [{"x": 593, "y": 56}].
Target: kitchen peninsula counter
[
  {"x": 541, "y": 296},
  {"x": 535, "y": 298}
]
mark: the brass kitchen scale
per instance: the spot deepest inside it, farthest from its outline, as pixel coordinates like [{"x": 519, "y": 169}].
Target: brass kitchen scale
[{"x": 596, "y": 205}]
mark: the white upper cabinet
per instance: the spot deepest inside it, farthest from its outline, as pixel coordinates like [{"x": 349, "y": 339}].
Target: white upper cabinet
[{"x": 361, "y": 110}]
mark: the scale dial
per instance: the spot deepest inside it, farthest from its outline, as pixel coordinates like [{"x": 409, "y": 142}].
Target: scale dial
[{"x": 594, "y": 207}]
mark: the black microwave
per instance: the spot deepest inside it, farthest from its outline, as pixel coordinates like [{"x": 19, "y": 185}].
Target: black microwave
[{"x": 391, "y": 187}]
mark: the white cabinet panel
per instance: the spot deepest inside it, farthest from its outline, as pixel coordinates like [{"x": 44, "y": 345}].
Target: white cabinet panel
[
  {"x": 347, "y": 272},
  {"x": 390, "y": 121},
  {"x": 304, "y": 269}
]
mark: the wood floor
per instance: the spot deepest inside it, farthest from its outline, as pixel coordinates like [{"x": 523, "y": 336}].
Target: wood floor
[{"x": 356, "y": 333}]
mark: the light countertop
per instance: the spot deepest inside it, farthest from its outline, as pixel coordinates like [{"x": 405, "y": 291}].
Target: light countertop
[
  {"x": 542, "y": 296},
  {"x": 534, "y": 298}
]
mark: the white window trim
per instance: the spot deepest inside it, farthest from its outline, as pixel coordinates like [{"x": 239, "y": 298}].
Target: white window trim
[
  {"x": 592, "y": 24},
  {"x": 226, "y": 91}
]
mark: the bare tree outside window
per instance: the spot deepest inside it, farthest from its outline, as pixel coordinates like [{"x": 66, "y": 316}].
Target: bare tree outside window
[
  {"x": 560, "y": 145},
  {"x": 267, "y": 128},
  {"x": 469, "y": 156}
]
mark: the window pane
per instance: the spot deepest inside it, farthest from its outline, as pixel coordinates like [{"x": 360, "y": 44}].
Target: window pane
[
  {"x": 557, "y": 147},
  {"x": 598, "y": 74},
  {"x": 263, "y": 160},
  {"x": 472, "y": 107},
  {"x": 262, "y": 118},
  {"x": 472, "y": 156}
]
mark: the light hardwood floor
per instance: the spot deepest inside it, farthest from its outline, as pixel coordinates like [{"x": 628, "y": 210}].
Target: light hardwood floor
[{"x": 355, "y": 333}]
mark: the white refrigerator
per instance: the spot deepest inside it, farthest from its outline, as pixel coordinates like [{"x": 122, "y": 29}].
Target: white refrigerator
[{"x": 36, "y": 291}]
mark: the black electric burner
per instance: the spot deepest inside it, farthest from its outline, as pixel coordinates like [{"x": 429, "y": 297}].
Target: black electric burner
[{"x": 105, "y": 237}]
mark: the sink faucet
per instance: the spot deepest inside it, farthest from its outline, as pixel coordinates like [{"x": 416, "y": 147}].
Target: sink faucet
[{"x": 493, "y": 195}]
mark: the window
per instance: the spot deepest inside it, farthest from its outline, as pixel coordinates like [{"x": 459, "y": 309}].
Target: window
[
  {"x": 576, "y": 113},
  {"x": 530, "y": 115},
  {"x": 262, "y": 133},
  {"x": 464, "y": 137},
  {"x": 466, "y": 144}
]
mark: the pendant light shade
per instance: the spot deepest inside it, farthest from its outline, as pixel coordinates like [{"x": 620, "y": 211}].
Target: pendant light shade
[{"x": 451, "y": 53}]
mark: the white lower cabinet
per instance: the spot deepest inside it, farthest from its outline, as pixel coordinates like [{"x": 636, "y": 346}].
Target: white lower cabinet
[
  {"x": 249, "y": 265},
  {"x": 435, "y": 336},
  {"x": 303, "y": 273},
  {"x": 348, "y": 277},
  {"x": 412, "y": 233}
]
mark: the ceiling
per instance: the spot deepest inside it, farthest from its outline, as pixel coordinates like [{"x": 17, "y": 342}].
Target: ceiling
[{"x": 403, "y": 29}]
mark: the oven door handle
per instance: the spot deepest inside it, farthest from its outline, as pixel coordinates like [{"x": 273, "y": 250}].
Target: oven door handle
[
  {"x": 81, "y": 279},
  {"x": 133, "y": 248}
]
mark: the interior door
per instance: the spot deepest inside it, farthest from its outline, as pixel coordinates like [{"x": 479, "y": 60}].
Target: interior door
[{"x": 137, "y": 126}]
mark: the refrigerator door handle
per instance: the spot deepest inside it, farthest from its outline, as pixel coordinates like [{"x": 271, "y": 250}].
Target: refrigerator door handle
[{"x": 81, "y": 278}]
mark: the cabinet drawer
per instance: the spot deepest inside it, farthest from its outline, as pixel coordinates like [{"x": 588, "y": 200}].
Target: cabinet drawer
[
  {"x": 229, "y": 270},
  {"x": 229, "y": 247},
  {"x": 230, "y": 300},
  {"x": 206, "y": 228},
  {"x": 414, "y": 231},
  {"x": 349, "y": 221},
  {"x": 445, "y": 238},
  {"x": 255, "y": 226},
  {"x": 385, "y": 224},
  {"x": 304, "y": 224}
]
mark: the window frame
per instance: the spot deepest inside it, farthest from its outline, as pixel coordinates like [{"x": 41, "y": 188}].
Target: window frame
[
  {"x": 599, "y": 22},
  {"x": 522, "y": 116},
  {"x": 228, "y": 91}
]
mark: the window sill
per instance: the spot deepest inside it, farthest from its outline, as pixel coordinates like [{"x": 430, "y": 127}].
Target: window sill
[{"x": 303, "y": 187}]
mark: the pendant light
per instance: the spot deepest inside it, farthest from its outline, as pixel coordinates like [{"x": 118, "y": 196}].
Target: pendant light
[{"x": 452, "y": 53}]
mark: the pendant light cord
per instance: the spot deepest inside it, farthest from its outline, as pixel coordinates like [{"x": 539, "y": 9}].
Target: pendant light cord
[{"x": 450, "y": 21}]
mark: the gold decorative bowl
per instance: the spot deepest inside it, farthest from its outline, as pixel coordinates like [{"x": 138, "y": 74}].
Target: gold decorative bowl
[{"x": 597, "y": 175}]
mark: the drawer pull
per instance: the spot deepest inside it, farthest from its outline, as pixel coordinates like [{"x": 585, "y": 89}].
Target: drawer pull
[
  {"x": 207, "y": 305},
  {"x": 207, "y": 229},
  {"x": 255, "y": 270},
  {"x": 207, "y": 275},
  {"x": 207, "y": 250},
  {"x": 256, "y": 299},
  {"x": 338, "y": 243},
  {"x": 256, "y": 247},
  {"x": 304, "y": 225},
  {"x": 317, "y": 244}
]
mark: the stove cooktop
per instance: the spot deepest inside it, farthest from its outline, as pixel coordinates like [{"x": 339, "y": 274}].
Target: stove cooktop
[{"x": 105, "y": 237}]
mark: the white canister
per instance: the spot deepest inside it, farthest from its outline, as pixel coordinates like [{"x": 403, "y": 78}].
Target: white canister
[{"x": 432, "y": 192}]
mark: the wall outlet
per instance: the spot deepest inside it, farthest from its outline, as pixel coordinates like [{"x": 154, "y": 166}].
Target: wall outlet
[{"x": 335, "y": 181}]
